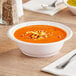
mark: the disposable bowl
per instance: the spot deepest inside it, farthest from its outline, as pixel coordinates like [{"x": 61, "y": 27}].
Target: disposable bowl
[{"x": 40, "y": 49}]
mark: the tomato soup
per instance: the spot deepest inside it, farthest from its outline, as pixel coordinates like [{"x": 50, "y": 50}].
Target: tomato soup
[{"x": 40, "y": 34}]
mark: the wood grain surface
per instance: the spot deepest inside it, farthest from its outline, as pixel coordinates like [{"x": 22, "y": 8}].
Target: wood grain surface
[{"x": 14, "y": 63}]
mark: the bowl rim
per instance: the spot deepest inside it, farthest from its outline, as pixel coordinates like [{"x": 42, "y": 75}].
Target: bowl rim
[
  {"x": 65, "y": 1},
  {"x": 11, "y": 36}
]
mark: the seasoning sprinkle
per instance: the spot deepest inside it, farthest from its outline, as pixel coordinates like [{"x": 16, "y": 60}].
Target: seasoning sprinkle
[
  {"x": 59, "y": 36},
  {"x": 36, "y": 34}
]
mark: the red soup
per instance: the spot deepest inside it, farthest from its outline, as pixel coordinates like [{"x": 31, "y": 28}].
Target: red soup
[{"x": 40, "y": 34}]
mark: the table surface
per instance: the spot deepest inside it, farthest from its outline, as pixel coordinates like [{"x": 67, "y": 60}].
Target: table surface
[{"x": 14, "y": 63}]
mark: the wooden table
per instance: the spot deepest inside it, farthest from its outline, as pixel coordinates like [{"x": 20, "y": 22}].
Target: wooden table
[{"x": 14, "y": 63}]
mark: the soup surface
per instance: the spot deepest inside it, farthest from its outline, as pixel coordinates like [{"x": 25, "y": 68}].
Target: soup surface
[
  {"x": 72, "y": 2},
  {"x": 40, "y": 34}
]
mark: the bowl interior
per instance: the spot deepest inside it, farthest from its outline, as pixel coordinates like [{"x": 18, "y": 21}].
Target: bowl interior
[
  {"x": 65, "y": 1},
  {"x": 14, "y": 28}
]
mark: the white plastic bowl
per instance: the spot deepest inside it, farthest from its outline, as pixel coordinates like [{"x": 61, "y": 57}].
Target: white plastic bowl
[
  {"x": 40, "y": 49},
  {"x": 72, "y": 8}
]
